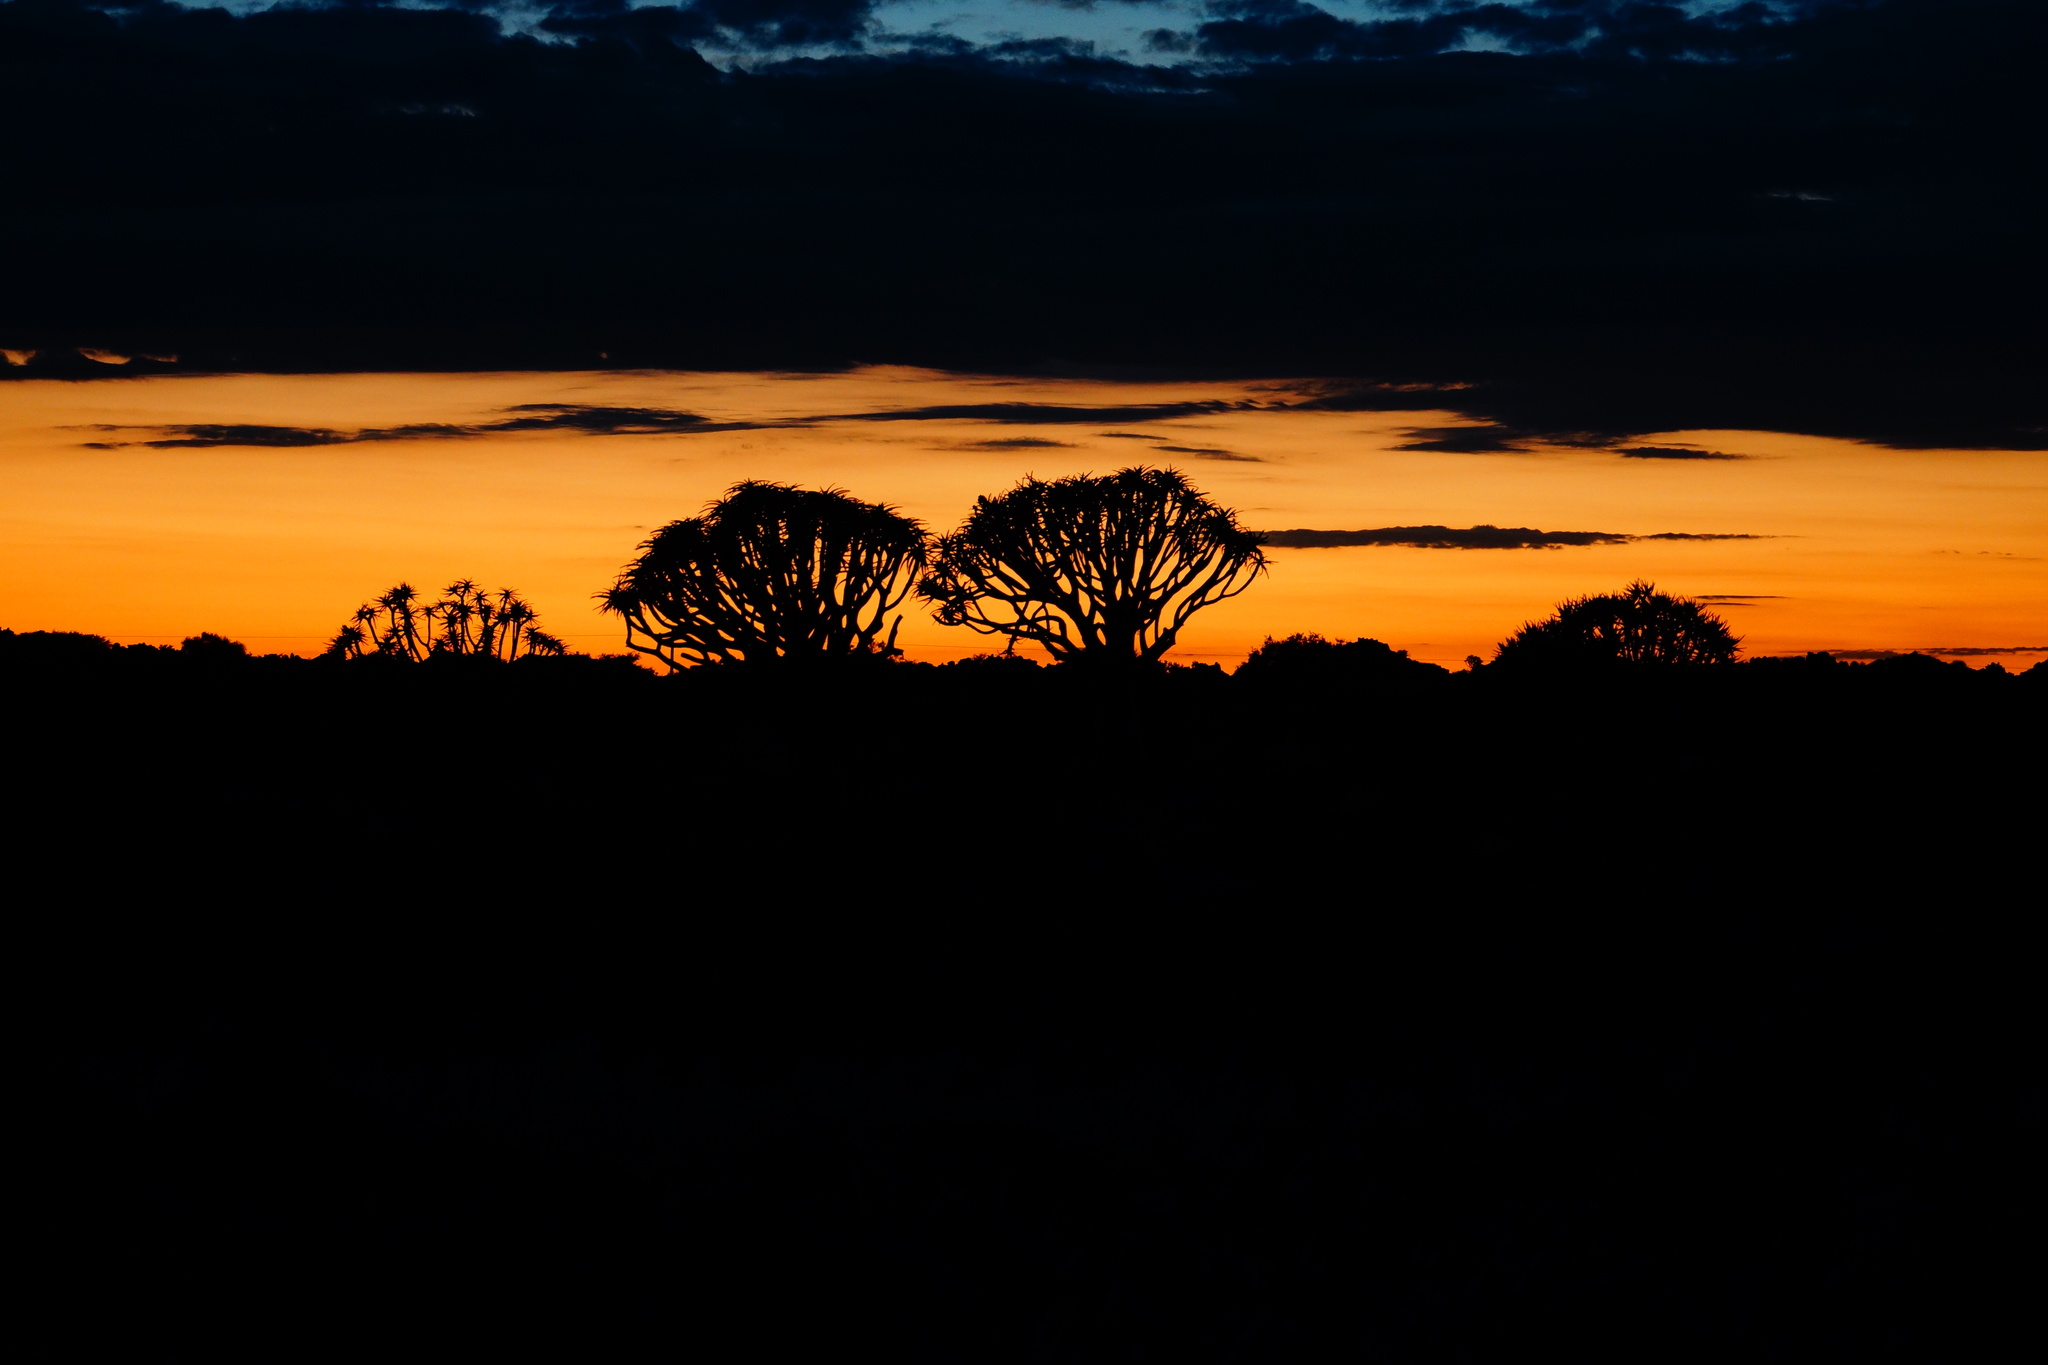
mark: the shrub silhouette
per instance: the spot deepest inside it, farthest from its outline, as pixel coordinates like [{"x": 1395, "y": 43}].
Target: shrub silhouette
[
  {"x": 1638, "y": 625},
  {"x": 466, "y": 622},
  {"x": 212, "y": 648},
  {"x": 1092, "y": 568},
  {"x": 770, "y": 573},
  {"x": 1312, "y": 661}
]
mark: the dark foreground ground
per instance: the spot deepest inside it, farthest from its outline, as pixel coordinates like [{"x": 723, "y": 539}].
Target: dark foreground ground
[{"x": 981, "y": 1016}]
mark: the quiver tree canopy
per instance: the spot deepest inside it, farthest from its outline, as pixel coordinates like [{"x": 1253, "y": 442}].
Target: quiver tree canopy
[
  {"x": 1087, "y": 567},
  {"x": 466, "y": 622},
  {"x": 770, "y": 572},
  {"x": 1638, "y": 625}
]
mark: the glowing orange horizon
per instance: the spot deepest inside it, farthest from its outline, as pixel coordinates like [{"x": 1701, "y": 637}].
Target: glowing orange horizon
[{"x": 1860, "y": 548}]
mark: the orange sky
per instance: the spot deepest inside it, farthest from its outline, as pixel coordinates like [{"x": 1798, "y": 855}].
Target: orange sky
[{"x": 1868, "y": 548}]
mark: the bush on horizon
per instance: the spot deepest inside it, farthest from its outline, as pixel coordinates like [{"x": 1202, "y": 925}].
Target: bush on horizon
[
  {"x": 1310, "y": 659},
  {"x": 1636, "y": 626}
]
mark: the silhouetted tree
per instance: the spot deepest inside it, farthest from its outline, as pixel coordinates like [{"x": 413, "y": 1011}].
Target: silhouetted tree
[
  {"x": 1638, "y": 625},
  {"x": 770, "y": 572},
  {"x": 465, "y": 622},
  {"x": 1310, "y": 660},
  {"x": 1096, "y": 568},
  {"x": 213, "y": 648}
]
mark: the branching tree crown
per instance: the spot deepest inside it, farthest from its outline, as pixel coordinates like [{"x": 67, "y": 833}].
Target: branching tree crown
[
  {"x": 467, "y": 621},
  {"x": 770, "y": 572},
  {"x": 1088, "y": 567},
  {"x": 1638, "y": 625}
]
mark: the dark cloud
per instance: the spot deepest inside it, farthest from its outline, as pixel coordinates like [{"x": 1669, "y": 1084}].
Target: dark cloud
[
  {"x": 597, "y": 421},
  {"x": 1691, "y": 535},
  {"x": 1291, "y": 31},
  {"x": 775, "y": 23},
  {"x": 1469, "y": 538},
  {"x": 1048, "y": 414},
  {"x": 1673, "y": 453},
  {"x": 1496, "y": 438},
  {"x": 662, "y": 25},
  {"x": 1462, "y": 440},
  {"x": 1808, "y": 217},
  {"x": 80, "y": 362},
  {"x": 1041, "y": 49},
  {"x": 248, "y": 435},
  {"x": 934, "y": 44},
  {"x": 1378, "y": 396},
  {"x": 1209, "y": 453},
  {"x": 1445, "y": 538},
  {"x": 606, "y": 421},
  {"x": 1016, "y": 443},
  {"x": 759, "y": 24}
]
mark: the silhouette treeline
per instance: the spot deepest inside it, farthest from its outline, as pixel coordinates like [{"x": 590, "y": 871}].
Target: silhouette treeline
[
  {"x": 1343, "y": 1007},
  {"x": 1305, "y": 660},
  {"x": 1089, "y": 570}
]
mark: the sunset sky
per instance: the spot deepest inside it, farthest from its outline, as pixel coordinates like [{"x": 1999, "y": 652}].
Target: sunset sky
[
  {"x": 154, "y": 508},
  {"x": 1626, "y": 274}
]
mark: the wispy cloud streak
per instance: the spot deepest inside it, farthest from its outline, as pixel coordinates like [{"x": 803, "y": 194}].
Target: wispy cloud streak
[{"x": 1480, "y": 537}]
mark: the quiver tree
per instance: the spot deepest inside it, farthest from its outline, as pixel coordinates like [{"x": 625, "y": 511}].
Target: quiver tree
[
  {"x": 770, "y": 572},
  {"x": 465, "y": 622},
  {"x": 1638, "y": 625},
  {"x": 1092, "y": 568}
]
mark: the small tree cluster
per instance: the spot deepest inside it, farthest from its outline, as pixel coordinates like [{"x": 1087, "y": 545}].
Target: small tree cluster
[
  {"x": 1087, "y": 568},
  {"x": 1097, "y": 568},
  {"x": 466, "y": 621}
]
